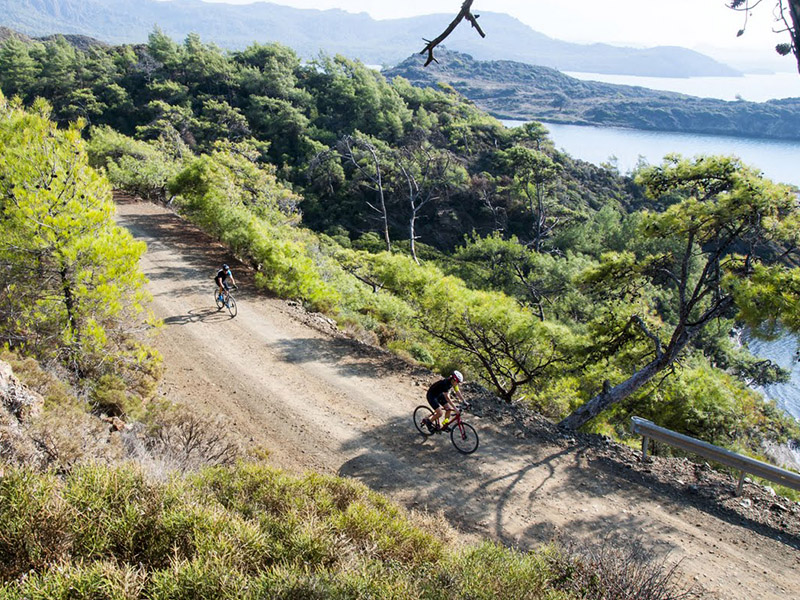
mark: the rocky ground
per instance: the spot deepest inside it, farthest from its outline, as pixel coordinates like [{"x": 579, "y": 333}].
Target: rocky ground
[{"x": 682, "y": 479}]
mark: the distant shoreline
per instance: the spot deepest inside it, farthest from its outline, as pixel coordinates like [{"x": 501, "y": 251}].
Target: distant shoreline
[
  {"x": 518, "y": 91},
  {"x": 753, "y": 87}
]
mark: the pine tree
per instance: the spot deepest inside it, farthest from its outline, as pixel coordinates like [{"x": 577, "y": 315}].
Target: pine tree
[{"x": 70, "y": 286}]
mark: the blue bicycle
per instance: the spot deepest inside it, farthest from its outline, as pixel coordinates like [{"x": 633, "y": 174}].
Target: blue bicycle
[{"x": 225, "y": 300}]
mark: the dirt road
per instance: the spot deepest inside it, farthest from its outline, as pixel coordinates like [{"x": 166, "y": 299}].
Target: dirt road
[{"x": 320, "y": 401}]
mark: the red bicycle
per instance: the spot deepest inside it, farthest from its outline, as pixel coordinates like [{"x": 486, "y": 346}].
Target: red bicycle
[{"x": 463, "y": 435}]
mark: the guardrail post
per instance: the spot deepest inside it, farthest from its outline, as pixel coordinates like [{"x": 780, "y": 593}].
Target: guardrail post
[
  {"x": 741, "y": 484},
  {"x": 645, "y": 444}
]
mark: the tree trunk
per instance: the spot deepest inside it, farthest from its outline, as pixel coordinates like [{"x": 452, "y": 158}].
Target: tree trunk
[
  {"x": 379, "y": 185},
  {"x": 606, "y": 398},
  {"x": 69, "y": 303},
  {"x": 794, "y": 13},
  {"x": 413, "y": 234},
  {"x": 680, "y": 339}
]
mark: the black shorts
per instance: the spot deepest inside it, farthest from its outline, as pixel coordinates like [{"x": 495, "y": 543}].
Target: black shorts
[
  {"x": 224, "y": 285},
  {"x": 437, "y": 401}
]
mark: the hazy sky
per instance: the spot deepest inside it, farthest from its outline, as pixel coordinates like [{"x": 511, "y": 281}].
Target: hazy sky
[
  {"x": 707, "y": 26},
  {"x": 689, "y": 23}
]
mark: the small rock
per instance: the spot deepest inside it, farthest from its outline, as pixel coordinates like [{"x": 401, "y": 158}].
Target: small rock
[{"x": 747, "y": 503}]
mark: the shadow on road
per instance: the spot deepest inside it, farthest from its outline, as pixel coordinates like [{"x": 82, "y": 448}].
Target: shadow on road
[
  {"x": 502, "y": 490},
  {"x": 199, "y": 251},
  {"x": 200, "y": 315},
  {"x": 350, "y": 357}
]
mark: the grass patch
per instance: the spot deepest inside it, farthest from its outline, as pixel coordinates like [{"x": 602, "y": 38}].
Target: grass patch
[{"x": 249, "y": 531}]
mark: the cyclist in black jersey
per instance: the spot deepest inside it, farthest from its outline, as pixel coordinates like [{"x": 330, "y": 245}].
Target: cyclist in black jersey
[
  {"x": 221, "y": 279},
  {"x": 438, "y": 396}
]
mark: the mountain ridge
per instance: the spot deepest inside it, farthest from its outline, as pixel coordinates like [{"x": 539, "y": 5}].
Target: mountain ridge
[{"x": 334, "y": 31}]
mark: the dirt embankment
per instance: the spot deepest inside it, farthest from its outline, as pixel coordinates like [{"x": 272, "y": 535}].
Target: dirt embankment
[{"x": 288, "y": 381}]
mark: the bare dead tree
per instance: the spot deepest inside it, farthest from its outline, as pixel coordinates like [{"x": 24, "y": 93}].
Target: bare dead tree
[
  {"x": 464, "y": 14},
  {"x": 348, "y": 149},
  {"x": 424, "y": 174}
]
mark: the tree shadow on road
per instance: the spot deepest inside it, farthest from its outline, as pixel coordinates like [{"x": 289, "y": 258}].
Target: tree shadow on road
[
  {"x": 350, "y": 357},
  {"x": 198, "y": 250},
  {"x": 478, "y": 493},
  {"x": 507, "y": 489}
]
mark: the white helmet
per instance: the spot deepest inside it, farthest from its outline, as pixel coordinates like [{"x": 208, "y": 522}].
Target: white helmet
[{"x": 459, "y": 377}]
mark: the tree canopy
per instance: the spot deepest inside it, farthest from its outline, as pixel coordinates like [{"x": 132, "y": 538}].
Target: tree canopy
[
  {"x": 722, "y": 250},
  {"x": 71, "y": 285}
]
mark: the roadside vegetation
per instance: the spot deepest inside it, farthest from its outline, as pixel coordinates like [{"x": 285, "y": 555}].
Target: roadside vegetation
[
  {"x": 417, "y": 222},
  {"x": 422, "y": 224},
  {"x": 251, "y": 531}
]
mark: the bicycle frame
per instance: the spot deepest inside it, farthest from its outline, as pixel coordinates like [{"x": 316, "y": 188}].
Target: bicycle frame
[
  {"x": 227, "y": 300},
  {"x": 455, "y": 418},
  {"x": 462, "y": 435}
]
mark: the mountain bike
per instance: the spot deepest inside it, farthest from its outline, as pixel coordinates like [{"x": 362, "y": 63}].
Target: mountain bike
[
  {"x": 225, "y": 300},
  {"x": 463, "y": 435}
]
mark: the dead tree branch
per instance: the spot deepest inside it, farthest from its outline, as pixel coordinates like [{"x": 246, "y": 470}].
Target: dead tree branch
[{"x": 465, "y": 14}]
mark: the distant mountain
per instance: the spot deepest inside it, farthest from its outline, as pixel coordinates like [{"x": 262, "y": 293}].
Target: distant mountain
[
  {"x": 514, "y": 90},
  {"x": 385, "y": 42}
]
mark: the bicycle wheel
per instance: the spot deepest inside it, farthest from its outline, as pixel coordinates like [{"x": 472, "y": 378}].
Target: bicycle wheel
[
  {"x": 220, "y": 303},
  {"x": 464, "y": 438},
  {"x": 231, "y": 303},
  {"x": 422, "y": 412}
]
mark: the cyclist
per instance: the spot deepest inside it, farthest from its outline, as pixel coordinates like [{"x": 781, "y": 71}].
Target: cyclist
[
  {"x": 221, "y": 279},
  {"x": 438, "y": 396}
]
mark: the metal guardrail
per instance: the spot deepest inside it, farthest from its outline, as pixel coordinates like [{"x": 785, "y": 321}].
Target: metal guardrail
[{"x": 648, "y": 430}]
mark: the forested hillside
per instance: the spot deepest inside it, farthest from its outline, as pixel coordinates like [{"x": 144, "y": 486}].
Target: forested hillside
[
  {"x": 422, "y": 224},
  {"x": 415, "y": 222}
]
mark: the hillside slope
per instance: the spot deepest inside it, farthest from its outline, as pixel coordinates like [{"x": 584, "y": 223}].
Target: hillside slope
[
  {"x": 336, "y": 31},
  {"x": 318, "y": 400},
  {"x": 514, "y": 90}
]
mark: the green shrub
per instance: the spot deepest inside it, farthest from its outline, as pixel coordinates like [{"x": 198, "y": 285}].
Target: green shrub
[
  {"x": 110, "y": 396},
  {"x": 491, "y": 571},
  {"x": 252, "y": 531},
  {"x": 102, "y": 580},
  {"x": 34, "y": 523},
  {"x": 213, "y": 198}
]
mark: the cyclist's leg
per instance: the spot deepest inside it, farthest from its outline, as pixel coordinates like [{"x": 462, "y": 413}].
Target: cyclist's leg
[
  {"x": 436, "y": 405},
  {"x": 448, "y": 410}
]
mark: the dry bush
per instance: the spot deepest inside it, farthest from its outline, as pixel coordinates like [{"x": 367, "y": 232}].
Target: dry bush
[
  {"x": 608, "y": 571},
  {"x": 66, "y": 436},
  {"x": 176, "y": 438},
  {"x": 16, "y": 448}
]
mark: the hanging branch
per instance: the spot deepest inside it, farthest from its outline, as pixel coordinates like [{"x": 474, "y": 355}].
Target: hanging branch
[
  {"x": 463, "y": 14},
  {"x": 786, "y": 12}
]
